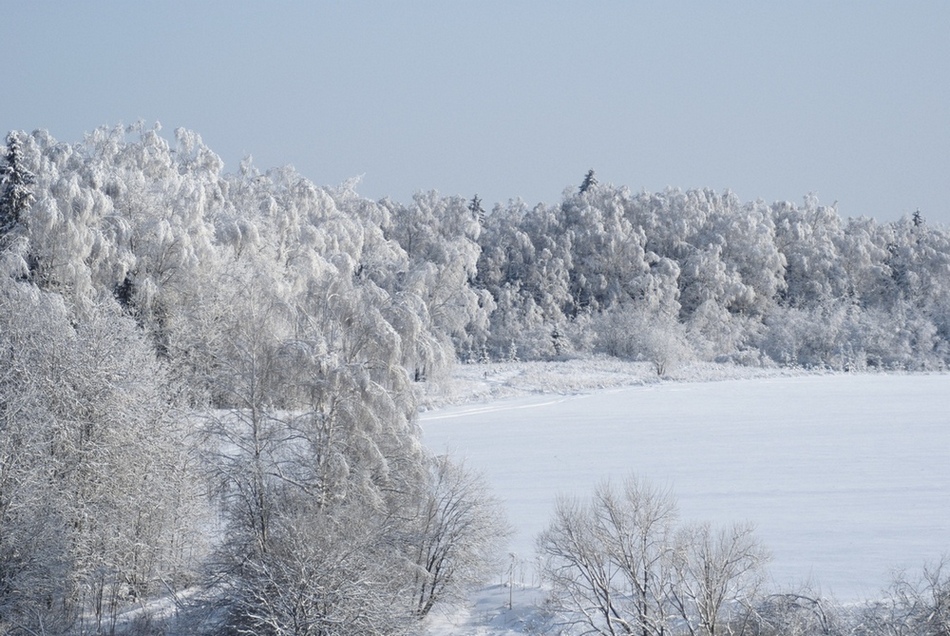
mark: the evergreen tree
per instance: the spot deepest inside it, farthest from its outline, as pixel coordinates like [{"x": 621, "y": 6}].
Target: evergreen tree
[
  {"x": 475, "y": 205},
  {"x": 15, "y": 195},
  {"x": 589, "y": 182}
]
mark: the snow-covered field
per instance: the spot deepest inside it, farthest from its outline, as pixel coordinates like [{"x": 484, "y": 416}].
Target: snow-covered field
[{"x": 846, "y": 477}]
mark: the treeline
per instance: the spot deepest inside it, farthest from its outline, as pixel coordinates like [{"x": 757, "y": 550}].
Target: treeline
[
  {"x": 672, "y": 275},
  {"x": 172, "y": 238},
  {"x": 207, "y": 379}
]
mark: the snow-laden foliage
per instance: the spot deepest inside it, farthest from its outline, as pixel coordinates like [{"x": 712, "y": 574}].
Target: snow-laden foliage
[
  {"x": 98, "y": 506},
  {"x": 799, "y": 284},
  {"x": 205, "y": 373},
  {"x": 208, "y": 379}
]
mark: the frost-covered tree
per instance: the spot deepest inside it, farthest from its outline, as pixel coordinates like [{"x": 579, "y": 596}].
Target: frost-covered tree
[
  {"x": 16, "y": 181},
  {"x": 719, "y": 576},
  {"x": 609, "y": 262},
  {"x": 98, "y": 507},
  {"x": 440, "y": 236},
  {"x": 915, "y": 603},
  {"x": 35, "y": 565},
  {"x": 460, "y": 530},
  {"x": 800, "y": 612},
  {"x": 617, "y": 564},
  {"x": 806, "y": 238},
  {"x": 650, "y": 336},
  {"x": 324, "y": 575},
  {"x": 523, "y": 264},
  {"x": 609, "y": 560},
  {"x": 318, "y": 435}
]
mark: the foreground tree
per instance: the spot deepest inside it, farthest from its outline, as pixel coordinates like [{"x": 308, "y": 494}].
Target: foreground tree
[
  {"x": 325, "y": 573},
  {"x": 609, "y": 560},
  {"x": 718, "y": 574},
  {"x": 460, "y": 530},
  {"x": 98, "y": 505},
  {"x": 798, "y": 613},
  {"x": 617, "y": 565},
  {"x": 917, "y": 604},
  {"x": 336, "y": 522},
  {"x": 309, "y": 468}
]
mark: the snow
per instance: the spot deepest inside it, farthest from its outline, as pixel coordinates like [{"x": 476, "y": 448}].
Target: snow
[
  {"x": 498, "y": 610},
  {"x": 845, "y": 477}
]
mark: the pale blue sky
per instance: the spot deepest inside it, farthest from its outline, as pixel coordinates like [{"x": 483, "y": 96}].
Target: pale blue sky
[{"x": 850, "y": 100}]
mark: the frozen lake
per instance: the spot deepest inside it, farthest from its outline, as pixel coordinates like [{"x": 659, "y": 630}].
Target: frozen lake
[{"x": 846, "y": 477}]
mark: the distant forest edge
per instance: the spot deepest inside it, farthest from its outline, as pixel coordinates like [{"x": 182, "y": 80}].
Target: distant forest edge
[
  {"x": 208, "y": 381},
  {"x": 161, "y": 233}
]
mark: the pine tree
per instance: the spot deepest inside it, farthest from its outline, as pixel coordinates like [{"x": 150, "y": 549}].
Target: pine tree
[
  {"x": 475, "y": 205},
  {"x": 15, "y": 195},
  {"x": 589, "y": 182}
]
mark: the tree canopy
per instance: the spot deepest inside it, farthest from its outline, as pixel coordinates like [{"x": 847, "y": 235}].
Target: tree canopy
[{"x": 186, "y": 349}]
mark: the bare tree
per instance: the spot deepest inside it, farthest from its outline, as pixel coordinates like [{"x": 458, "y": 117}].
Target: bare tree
[
  {"x": 618, "y": 565},
  {"x": 796, "y": 613},
  {"x": 914, "y": 604},
  {"x": 461, "y": 532},
  {"x": 609, "y": 560},
  {"x": 718, "y": 574}
]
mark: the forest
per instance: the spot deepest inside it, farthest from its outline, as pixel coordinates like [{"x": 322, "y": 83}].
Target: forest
[{"x": 209, "y": 379}]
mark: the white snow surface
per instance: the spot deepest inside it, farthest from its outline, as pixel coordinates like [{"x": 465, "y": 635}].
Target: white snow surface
[{"x": 845, "y": 477}]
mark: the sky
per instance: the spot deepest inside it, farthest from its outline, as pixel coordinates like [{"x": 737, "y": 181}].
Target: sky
[{"x": 849, "y": 100}]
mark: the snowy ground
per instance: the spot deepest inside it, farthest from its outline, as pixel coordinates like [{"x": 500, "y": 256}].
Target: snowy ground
[{"x": 845, "y": 476}]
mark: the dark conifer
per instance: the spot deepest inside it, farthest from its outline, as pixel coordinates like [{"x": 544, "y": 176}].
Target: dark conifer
[
  {"x": 589, "y": 182},
  {"x": 475, "y": 205},
  {"x": 15, "y": 193}
]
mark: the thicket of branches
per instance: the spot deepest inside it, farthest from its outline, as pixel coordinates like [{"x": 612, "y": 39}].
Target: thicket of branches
[
  {"x": 207, "y": 378},
  {"x": 619, "y": 562}
]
